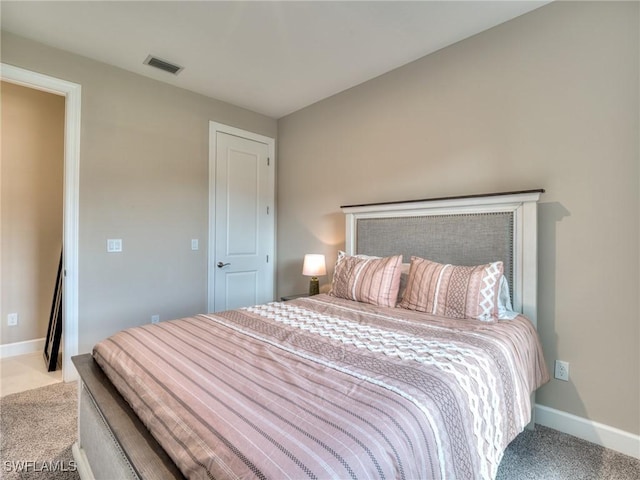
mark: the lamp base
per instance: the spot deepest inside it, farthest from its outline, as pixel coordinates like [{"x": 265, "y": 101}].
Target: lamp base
[{"x": 314, "y": 286}]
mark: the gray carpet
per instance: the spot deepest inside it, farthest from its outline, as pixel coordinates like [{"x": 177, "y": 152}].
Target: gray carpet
[
  {"x": 546, "y": 454},
  {"x": 40, "y": 426}
]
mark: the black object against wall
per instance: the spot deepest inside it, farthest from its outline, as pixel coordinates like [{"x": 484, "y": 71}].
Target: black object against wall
[{"x": 54, "y": 332}]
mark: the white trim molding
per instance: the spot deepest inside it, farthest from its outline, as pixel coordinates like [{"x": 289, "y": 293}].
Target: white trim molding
[
  {"x": 72, "y": 93},
  {"x": 594, "y": 432},
  {"x": 22, "y": 348}
]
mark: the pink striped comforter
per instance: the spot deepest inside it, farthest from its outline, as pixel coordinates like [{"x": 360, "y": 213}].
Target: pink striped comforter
[{"x": 327, "y": 388}]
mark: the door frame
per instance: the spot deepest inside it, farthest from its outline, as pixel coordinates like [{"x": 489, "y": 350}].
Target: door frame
[
  {"x": 214, "y": 128},
  {"x": 72, "y": 93}
]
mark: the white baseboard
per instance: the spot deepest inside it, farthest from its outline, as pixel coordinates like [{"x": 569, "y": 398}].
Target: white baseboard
[
  {"x": 22, "y": 348},
  {"x": 594, "y": 432}
]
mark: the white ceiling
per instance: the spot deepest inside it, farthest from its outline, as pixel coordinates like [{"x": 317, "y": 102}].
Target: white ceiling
[{"x": 270, "y": 57}]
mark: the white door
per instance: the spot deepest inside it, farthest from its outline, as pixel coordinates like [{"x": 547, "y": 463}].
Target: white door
[{"x": 242, "y": 263}]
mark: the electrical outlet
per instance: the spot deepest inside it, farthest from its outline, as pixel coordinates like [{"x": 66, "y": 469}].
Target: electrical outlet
[
  {"x": 155, "y": 318},
  {"x": 562, "y": 370},
  {"x": 12, "y": 319}
]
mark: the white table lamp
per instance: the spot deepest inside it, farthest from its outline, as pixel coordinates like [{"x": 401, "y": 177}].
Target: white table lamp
[{"x": 314, "y": 266}]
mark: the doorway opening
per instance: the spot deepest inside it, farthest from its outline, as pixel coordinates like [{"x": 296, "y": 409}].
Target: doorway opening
[{"x": 72, "y": 93}]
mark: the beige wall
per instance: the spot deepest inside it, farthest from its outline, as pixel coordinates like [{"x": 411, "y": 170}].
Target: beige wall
[
  {"x": 32, "y": 165},
  {"x": 144, "y": 179},
  {"x": 547, "y": 100}
]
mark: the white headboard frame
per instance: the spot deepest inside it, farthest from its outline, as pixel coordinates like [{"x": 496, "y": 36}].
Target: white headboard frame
[{"x": 523, "y": 206}]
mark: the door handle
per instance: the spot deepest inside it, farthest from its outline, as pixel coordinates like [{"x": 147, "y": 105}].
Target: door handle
[{"x": 220, "y": 264}]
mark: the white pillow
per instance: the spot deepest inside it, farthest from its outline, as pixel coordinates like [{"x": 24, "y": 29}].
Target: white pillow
[{"x": 505, "y": 309}]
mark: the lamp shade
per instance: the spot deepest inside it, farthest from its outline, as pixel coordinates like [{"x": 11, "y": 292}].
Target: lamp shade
[{"x": 314, "y": 265}]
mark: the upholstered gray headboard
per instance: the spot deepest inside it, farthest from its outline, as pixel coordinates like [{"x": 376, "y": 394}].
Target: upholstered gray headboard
[{"x": 468, "y": 230}]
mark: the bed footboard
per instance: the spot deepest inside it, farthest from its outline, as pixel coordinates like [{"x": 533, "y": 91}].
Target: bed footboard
[{"x": 112, "y": 441}]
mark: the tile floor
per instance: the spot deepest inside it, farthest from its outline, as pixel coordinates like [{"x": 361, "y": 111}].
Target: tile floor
[{"x": 25, "y": 372}]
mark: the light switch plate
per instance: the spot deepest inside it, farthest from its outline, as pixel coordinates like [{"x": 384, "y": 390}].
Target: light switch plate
[
  {"x": 194, "y": 244},
  {"x": 114, "y": 245}
]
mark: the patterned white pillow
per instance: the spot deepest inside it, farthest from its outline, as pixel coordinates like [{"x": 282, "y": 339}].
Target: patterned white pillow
[
  {"x": 453, "y": 291},
  {"x": 367, "y": 279}
]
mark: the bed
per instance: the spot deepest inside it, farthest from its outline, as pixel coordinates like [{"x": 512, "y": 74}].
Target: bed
[{"x": 416, "y": 365}]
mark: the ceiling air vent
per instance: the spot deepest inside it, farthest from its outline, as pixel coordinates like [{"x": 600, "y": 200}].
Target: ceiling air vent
[{"x": 162, "y": 65}]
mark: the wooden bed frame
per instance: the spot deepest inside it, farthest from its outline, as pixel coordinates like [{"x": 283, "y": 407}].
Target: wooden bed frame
[{"x": 113, "y": 442}]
